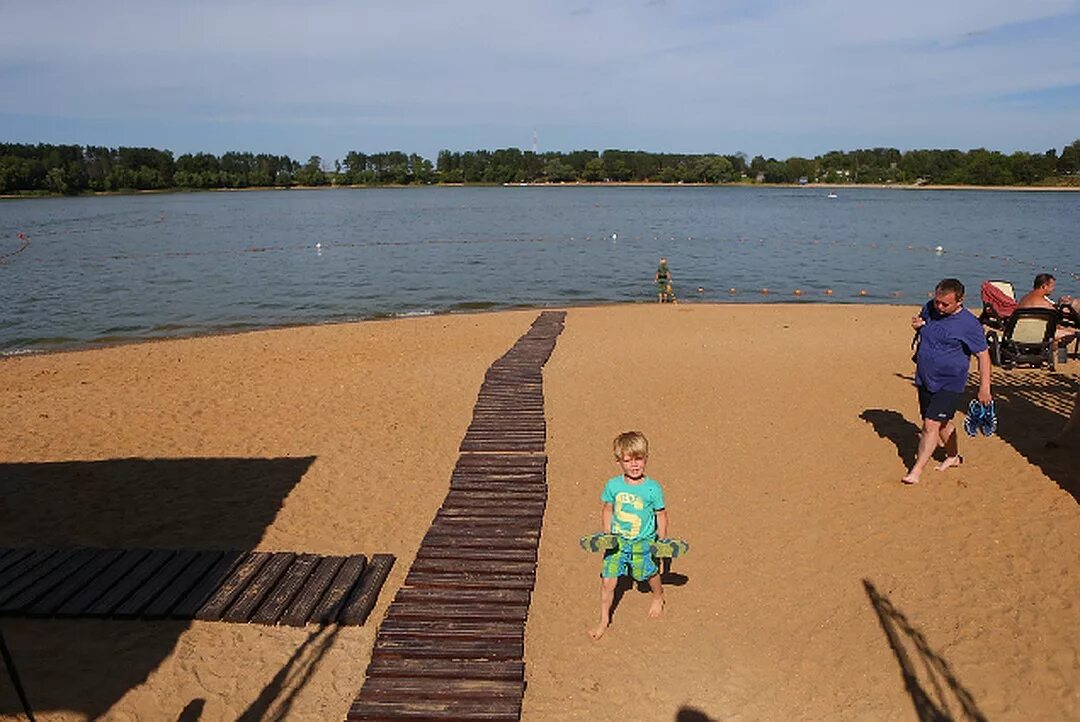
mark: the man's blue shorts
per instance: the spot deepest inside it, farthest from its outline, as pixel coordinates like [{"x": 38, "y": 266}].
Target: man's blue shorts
[{"x": 938, "y": 405}]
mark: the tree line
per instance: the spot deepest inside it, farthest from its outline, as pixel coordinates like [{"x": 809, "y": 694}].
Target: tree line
[{"x": 74, "y": 169}]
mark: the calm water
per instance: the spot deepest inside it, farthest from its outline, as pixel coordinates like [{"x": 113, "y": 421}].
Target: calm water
[{"x": 105, "y": 269}]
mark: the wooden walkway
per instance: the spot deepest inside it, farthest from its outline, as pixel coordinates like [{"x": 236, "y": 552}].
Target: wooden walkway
[
  {"x": 233, "y": 586},
  {"x": 452, "y": 644}
]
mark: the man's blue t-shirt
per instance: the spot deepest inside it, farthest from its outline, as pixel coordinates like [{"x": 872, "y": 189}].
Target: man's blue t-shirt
[
  {"x": 635, "y": 507},
  {"x": 946, "y": 344}
]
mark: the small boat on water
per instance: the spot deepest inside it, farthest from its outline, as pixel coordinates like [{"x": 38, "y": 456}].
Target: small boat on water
[{"x": 831, "y": 195}]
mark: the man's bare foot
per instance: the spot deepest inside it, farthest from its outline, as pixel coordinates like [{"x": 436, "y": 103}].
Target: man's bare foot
[
  {"x": 599, "y": 631},
  {"x": 656, "y": 608},
  {"x": 950, "y": 461},
  {"x": 911, "y": 479}
]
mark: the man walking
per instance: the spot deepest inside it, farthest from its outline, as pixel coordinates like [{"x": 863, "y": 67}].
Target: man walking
[{"x": 949, "y": 335}]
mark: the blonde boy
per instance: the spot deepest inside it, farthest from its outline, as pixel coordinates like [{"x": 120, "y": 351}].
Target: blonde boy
[{"x": 633, "y": 510}]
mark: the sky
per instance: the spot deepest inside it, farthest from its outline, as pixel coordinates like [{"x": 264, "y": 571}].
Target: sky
[{"x": 324, "y": 77}]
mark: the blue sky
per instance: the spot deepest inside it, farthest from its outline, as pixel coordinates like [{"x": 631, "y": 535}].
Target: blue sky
[{"x": 324, "y": 77}]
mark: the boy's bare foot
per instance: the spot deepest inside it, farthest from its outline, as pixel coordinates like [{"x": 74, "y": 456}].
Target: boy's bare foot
[
  {"x": 950, "y": 461},
  {"x": 599, "y": 631},
  {"x": 656, "y": 608},
  {"x": 910, "y": 479}
]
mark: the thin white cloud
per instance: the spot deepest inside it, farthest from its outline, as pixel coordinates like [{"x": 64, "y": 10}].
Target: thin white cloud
[{"x": 660, "y": 74}]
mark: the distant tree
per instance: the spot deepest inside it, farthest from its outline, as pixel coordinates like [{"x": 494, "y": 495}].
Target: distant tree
[
  {"x": 1069, "y": 161},
  {"x": 311, "y": 173},
  {"x": 594, "y": 171}
]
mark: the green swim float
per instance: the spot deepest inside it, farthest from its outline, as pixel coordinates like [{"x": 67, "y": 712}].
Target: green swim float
[{"x": 661, "y": 548}]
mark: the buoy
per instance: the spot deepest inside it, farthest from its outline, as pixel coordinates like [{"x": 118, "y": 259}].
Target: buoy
[
  {"x": 318, "y": 245},
  {"x": 732, "y": 291},
  {"x": 862, "y": 291},
  {"x": 828, "y": 291},
  {"x": 614, "y": 236},
  {"x": 939, "y": 249},
  {"x": 765, "y": 292},
  {"x": 798, "y": 291},
  {"x": 700, "y": 289}
]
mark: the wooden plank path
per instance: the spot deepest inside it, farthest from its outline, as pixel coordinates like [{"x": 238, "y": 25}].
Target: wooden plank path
[
  {"x": 251, "y": 587},
  {"x": 452, "y": 644}
]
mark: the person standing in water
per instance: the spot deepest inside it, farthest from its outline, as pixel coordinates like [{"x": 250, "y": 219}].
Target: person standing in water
[{"x": 664, "y": 290}]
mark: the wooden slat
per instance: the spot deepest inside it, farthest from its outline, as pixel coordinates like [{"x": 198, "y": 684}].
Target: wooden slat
[
  {"x": 472, "y": 566},
  {"x": 447, "y": 668},
  {"x": 448, "y": 709},
  {"x": 470, "y": 629},
  {"x": 450, "y": 648},
  {"x": 432, "y": 551},
  {"x": 74, "y": 583},
  {"x": 136, "y": 604},
  {"x": 231, "y": 587},
  {"x": 428, "y": 689},
  {"x": 301, "y": 608},
  {"x": 463, "y": 596},
  {"x": 37, "y": 567},
  {"x": 328, "y": 608},
  {"x": 362, "y": 601},
  {"x": 13, "y": 557},
  {"x": 517, "y": 541},
  {"x": 102, "y": 583},
  {"x": 183, "y": 596},
  {"x": 472, "y": 610},
  {"x": 286, "y": 590},
  {"x": 471, "y": 581},
  {"x": 254, "y": 592},
  {"x": 46, "y": 582},
  {"x": 130, "y": 582}
]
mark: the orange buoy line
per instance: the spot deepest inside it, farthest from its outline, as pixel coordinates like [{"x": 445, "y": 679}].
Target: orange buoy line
[{"x": 24, "y": 243}]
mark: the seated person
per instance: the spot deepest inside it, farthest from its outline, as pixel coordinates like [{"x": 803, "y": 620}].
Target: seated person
[{"x": 1041, "y": 297}]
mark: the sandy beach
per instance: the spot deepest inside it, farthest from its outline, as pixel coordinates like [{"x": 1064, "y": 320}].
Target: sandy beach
[{"x": 817, "y": 586}]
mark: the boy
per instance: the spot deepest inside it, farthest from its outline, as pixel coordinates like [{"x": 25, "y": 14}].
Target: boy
[{"x": 633, "y": 510}]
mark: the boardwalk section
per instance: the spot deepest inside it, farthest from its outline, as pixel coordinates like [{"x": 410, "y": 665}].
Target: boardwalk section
[
  {"x": 229, "y": 586},
  {"x": 452, "y": 644}
]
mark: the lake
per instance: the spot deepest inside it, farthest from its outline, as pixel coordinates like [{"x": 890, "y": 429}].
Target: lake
[{"x": 116, "y": 268}]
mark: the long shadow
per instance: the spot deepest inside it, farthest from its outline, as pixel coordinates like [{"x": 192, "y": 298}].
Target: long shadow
[
  {"x": 914, "y": 655},
  {"x": 1032, "y": 408},
  {"x": 85, "y": 665},
  {"x": 276, "y": 699},
  {"x": 893, "y": 426}
]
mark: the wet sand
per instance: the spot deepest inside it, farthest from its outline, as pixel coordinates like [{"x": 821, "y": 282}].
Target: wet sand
[{"x": 817, "y": 585}]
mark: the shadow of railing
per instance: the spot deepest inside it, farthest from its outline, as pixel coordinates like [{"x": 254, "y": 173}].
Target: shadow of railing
[
  {"x": 1032, "y": 408},
  {"x": 276, "y": 700},
  {"x": 84, "y": 665},
  {"x": 915, "y": 656}
]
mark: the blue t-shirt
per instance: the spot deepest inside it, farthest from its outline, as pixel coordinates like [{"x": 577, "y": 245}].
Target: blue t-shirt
[
  {"x": 946, "y": 344},
  {"x": 635, "y": 507}
]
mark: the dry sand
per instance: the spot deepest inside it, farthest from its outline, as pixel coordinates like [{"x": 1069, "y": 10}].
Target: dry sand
[{"x": 817, "y": 587}]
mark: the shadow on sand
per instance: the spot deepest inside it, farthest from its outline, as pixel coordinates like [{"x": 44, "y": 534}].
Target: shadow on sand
[
  {"x": 667, "y": 577},
  {"x": 85, "y": 665},
  {"x": 892, "y": 425},
  {"x": 1032, "y": 407},
  {"x": 942, "y": 692}
]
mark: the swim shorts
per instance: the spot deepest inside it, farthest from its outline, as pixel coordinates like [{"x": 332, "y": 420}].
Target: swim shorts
[
  {"x": 631, "y": 557},
  {"x": 938, "y": 405}
]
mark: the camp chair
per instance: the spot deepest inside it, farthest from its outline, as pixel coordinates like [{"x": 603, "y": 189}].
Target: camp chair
[
  {"x": 999, "y": 301},
  {"x": 1026, "y": 339}
]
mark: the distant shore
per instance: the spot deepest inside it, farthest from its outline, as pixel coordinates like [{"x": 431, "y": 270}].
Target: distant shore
[{"x": 571, "y": 184}]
